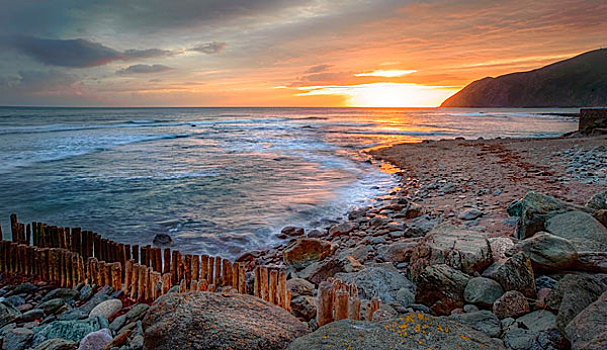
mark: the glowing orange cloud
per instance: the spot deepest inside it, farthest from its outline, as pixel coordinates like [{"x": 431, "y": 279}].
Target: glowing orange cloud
[{"x": 386, "y": 73}]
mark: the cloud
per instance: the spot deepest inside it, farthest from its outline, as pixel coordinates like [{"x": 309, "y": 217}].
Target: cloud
[
  {"x": 209, "y": 48},
  {"x": 144, "y": 69},
  {"x": 386, "y": 73},
  {"x": 77, "y": 53},
  {"x": 319, "y": 68},
  {"x": 146, "y": 53}
]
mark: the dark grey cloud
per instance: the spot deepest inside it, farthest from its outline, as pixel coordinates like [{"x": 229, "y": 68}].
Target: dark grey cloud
[
  {"x": 132, "y": 53},
  {"x": 76, "y": 53},
  {"x": 209, "y": 48},
  {"x": 318, "y": 69},
  {"x": 144, "y": 69}
]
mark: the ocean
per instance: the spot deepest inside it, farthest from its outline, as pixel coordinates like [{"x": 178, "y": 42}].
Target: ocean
[{"x": 220, "y": 181}]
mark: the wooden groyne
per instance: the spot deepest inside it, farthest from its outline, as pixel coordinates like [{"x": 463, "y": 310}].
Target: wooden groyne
[{"x": 69, "y": 256}]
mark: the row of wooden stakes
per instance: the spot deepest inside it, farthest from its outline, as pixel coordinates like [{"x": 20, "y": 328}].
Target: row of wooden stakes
[
  {"x": 339, "y": 301},
  {"x": 71, "y": 256}
]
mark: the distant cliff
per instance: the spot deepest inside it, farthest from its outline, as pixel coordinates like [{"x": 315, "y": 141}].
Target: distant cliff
[{"x": 580, "y": 81}]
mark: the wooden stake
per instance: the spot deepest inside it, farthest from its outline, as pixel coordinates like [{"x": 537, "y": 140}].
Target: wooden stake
[
  {"x": 188, "y": 270},
  {"x": 354, "y": 308},
  {"x": 228, "y": 275},
  {"x": 326, "y": 297},
  {"x": 217, "y": 271},
  {"x": 265, "y": 293},
  {"x": 257, "y": 282},
  {"x": 195, "y": 267},
  {"x": 242, "y": 279},
  {"x": 282, "y": 289},
  {"x": 341, "y": 305},
  {"x": 203, "y": 285},
  {"x": 167, "y": 261},
  {"x": 273, "y": 286},
  {"x": 211, "y": 269},
  {"x": 166, "y": 282}
]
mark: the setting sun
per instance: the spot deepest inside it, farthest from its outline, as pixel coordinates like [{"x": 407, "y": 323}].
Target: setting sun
[{"x": 384, "y": 94}]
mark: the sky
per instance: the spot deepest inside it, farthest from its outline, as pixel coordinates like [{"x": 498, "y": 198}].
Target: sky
[{"x": 364, "y": 53}]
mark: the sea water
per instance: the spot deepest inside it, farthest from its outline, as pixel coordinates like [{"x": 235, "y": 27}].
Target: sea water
[{"x": 218, "y": 180}]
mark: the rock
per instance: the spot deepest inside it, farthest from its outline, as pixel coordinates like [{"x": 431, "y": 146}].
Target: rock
[
  {"x": 102, "y": 295},
  {"x": 381, "y": 281},
  {"x": 482, "y": 291},
  {"x": 15, "y": 300},
  {"x": 341, "y": 229},
  {"x": 57, "y": 344},
  {"x": 523, "y": 339},
  {"x": 162, "y": 239},
  {"x": 414, "y": 210},
  {"x": 25, "y": 288},
  {"x": 291, "y": 231},
  {"x": 70, "y": 330},
  {"x": 512, "y": 304},
  {"x": 581, "y": 229},
  {"x": 412, "y": 331},
  {"x": 304, "y": 307},
  {"x": 545, "y": 282},
  {"x": 136, "y": 312},
  {"x": 205, "y": 320},
  {"x": 484, "y": 321},
  {"x": 72, "y": 315},
  {"x": 67, "y": 294},
  {"x": 8, "y": 314},
  {"x": 322, "y": 270},
  {"x": 85, "y": 292},
  {"x": 31, "y": 315},
  {"x": 499, "y": 246},
  {"x": 588, "y": 330},
  {"x": 420, "y": 226},
  {"x": 470, "y": 214},
  {"x": 117, "y": 323},
  {"x": 516, "y": 273},
  {"x": 441, "y": 287},
  {"x": 17, "y": 339},
  {"x": 405, "y": 297},
  {"x": 533, "y": 210},
  {"x": 537, "y": 321},
  {"x": 107, "y": 308},
  {"x": 299, "y": 286},
  {"x": 304, "y": 251},
  {"x": 398, "y": 251},
  {"x": 548, "y": 251},
  {"x": 571, "y": 295},
  {"x": 598, "y": 201},
  {"x": 464, "y": 250},
  {"x": 50, "y": 306},
  {"x": 316, "y": 234},
  {"x": 96, "y": 340}
]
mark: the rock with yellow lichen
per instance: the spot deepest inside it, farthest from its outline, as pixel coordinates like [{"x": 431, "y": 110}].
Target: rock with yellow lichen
[{"x": 414, "y": 331}]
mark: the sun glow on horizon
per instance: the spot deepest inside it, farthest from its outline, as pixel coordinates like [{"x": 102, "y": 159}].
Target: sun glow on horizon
[{"x": 384, "y": 94}]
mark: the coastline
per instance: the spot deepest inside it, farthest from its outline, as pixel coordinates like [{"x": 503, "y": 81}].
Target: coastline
[{"x": 463, "y": 184}]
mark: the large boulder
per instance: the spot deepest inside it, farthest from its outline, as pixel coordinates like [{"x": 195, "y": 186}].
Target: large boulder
[
  {"x": 416, "y": 331},
  {"x": 16, "y": 339},
  {"x": 398, "y": 251},
  {"x": 96, "y": 340},
  {"x": 304, "y": 251},
  {"x": 548, "y": 251},
  {"x": 464, "y": 250},
  {"x": 588, "y": 330},
  {"x": 571, "y": 295},
  {"x": 107, "y": 308},
  {"x": 381, "y": 281},
  {"x": 598, "y": 201},
  {"x": 441, "y": 287},
  {"x": 582, "y": 229},
  {"x": 322, "y": 270},
  {"x": 482, "y": 291},
  {"x": 533, "y": 210},
  {"x": 57, "y": 344},
  {"x": 203, "y": 320},
  {"x": 515, "y": 273}
]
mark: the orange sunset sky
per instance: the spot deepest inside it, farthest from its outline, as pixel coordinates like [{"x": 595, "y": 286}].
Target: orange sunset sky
[{"x": 279, "y": 53}]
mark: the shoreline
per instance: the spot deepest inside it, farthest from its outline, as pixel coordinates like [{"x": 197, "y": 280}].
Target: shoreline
[{"x": 449, "y": 192}]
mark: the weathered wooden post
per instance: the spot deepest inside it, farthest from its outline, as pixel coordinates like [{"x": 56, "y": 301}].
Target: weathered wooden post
[
  {"x": 14, "y": 229},
  {"x": 372, "y": 306},
  {"x": 142, "y": 282},
  {"x": 204, "y": 267},
  {"x": 211, "y": 270},
  {"x": 242, "y": 279},
  {"x": 217, "y": 271},
  {"x": 235, "y": 275},
  {"x": 116, "y": 276},
  {"x": 273, "y": 286},
  {"x": 167, "y": 260},
  {"x": 166, "y": 282},
  {"x": 227, "y": 273},
  {"x": 265, "y": 293},
  {"x": 188, "y": 269},
  {"x": 203, "y": 285},
  {"x": 326, "y": 297},
  {"x": 257, "y": 281},
  {"x": 282, "y": 289},
  {"x": 195, "y": 267},
  {"x": 341, "y": 305}
]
